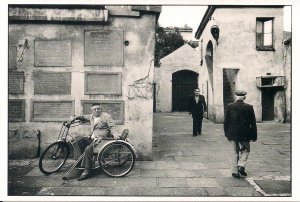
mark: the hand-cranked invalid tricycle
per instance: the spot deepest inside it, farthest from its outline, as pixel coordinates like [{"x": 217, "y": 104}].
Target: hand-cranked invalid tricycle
[{"x": 114, "y": 155}]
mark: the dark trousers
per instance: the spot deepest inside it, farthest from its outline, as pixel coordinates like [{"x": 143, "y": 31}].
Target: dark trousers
[
  {"x": 84, "y": 144},
  {"x": 197, "y": 125}
]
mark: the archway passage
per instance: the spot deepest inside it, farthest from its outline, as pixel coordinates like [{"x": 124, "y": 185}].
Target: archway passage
[
  {"x": 209, "y": 63},
  {"x": 183, "y": 84}
]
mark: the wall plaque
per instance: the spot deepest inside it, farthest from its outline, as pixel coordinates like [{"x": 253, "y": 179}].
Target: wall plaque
[
  {"x": 103, "y": 48},
  {"x": 43, "y": 110},
  {"x": 50, "y": 83},
  {"x": 12, "y": 57},
  {"x": 15, "y": 82},
  {"x": 103, "y": 83},
  {"x": 16, "y": 110},
  {"x": 113, "y": 107},
  {"x": 52, "y": 53}
]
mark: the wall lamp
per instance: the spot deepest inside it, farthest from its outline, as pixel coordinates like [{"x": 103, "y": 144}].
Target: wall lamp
[{"x": 215, "y": 31}]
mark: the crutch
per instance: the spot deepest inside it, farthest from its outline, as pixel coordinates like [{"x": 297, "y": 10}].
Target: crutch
[{"x": 66, "y": 177}]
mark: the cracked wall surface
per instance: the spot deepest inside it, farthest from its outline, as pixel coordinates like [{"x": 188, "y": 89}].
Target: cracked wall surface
[{"x": 136, "y": 72}]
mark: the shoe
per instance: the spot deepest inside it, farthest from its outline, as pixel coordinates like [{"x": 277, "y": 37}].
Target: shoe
[
  {"x": 235, "y": 175},
  {"x": 194, "y": 135},
  {"x": 84, "y": 176},
  {"x": 242, "y": 171},
  {"x": 199, "y": 133}
]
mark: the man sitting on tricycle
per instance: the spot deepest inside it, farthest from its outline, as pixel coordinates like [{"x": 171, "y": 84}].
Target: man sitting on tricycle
[{"x": 101, "y": 124}]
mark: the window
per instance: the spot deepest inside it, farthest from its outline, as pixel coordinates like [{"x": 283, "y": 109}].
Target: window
[
  {"x": 270, "y": 81},
  {"x": 264, "y": 34}
]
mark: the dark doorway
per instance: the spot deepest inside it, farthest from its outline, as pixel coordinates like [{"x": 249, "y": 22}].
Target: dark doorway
[
  {"x": 183, "y": 84},
  {"x": 267, "y": 103},
  {"x": 154, "y": 97}
]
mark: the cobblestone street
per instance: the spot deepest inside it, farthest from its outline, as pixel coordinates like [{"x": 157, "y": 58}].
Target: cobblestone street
[{"x": 182, "y": 165}]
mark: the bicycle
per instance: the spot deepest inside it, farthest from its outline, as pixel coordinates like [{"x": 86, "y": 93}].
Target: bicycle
[{"x": 115, "y": 156}]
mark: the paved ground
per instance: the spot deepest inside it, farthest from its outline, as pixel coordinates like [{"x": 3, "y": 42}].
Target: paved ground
[{"x": 182, "y": 165}]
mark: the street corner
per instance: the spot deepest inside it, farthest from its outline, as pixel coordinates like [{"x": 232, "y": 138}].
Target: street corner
[{"x": 272, "y": 185}]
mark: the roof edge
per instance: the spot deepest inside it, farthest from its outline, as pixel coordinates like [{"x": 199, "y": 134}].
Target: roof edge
[{"x": 210, "y": 10}]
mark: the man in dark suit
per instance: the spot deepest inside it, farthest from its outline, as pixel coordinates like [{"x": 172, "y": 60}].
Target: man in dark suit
[
  {"x": 240, "y": 129},
  {"x": 197, "y": 107}
]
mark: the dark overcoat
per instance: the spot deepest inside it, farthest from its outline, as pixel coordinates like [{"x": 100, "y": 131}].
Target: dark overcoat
[
  {"x": 240, "y": 122},
  {"x": 197, "y": 109}
]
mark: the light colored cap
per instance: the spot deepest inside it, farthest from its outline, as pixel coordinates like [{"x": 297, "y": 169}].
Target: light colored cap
[{"x": 240, "y": 93}]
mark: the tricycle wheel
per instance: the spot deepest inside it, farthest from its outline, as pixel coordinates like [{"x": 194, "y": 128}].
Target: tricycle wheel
[{"x": 117, "y": 159}]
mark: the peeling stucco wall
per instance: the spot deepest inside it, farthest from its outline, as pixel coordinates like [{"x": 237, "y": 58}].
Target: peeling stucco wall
[
  {"x": 237, "y": 50},
  {"x": 288, "y": 68},
  {"x": 23, "y": 143},
  {"x": 279, "y": 105},
  {"x": 137, "y": 73}
]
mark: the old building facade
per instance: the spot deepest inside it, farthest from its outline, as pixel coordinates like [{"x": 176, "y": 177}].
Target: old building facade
[
  {"x": 287, "y": 65},
  {"x": 242, "y": 48},
  {"x": 175, "y": 79},
  {"x": 64, "y": 58}
]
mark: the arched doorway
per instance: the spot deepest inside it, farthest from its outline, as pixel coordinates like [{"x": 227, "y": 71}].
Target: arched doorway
[
  {"x": 209, "y": 62},
  {"x": 183, "y": 84}
]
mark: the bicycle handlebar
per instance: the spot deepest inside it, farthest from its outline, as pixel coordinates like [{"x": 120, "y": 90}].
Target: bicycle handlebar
[{"x": 69, "y": 123}]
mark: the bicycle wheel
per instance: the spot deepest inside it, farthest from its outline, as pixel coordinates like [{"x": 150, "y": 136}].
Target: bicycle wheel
[
  {"x": 117, "y": 159},
  {"x": 53, "y": 158}
]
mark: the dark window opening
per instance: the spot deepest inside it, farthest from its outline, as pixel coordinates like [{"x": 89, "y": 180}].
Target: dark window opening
[
  {"x": 267, "y": 82},
  {"x": 264, "y": 34}
]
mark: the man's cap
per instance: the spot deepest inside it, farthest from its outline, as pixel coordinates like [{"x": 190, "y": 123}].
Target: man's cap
[{"x": 240, "y": 93}]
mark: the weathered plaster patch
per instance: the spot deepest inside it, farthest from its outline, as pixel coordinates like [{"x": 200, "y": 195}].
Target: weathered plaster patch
[
  {"x": 141, "y": 88},
  {"x": 135, "y": 42}
]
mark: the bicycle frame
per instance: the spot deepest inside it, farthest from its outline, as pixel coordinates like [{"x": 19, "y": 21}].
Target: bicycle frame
[{"x": 64, "y": 132}]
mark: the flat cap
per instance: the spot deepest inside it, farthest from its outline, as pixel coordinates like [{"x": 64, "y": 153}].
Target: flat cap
[{"x": 240, "y": 93}]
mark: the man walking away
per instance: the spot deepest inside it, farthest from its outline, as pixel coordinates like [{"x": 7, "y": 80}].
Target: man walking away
[{"x": 240, "y": 128}]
